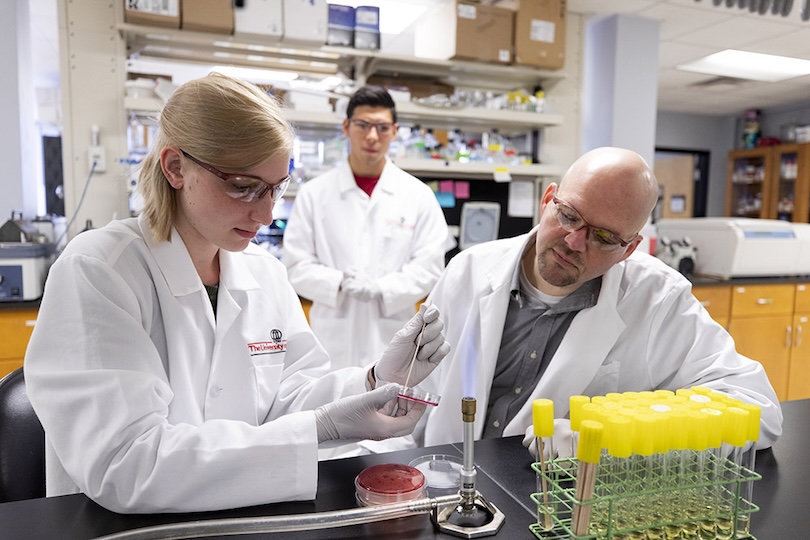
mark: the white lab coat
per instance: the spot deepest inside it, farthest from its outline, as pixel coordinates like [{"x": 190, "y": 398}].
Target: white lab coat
[
  {"x": 149, "y": 404},
  {"x": 646, "y": 332},
  {"x": 397, "y": 237}
]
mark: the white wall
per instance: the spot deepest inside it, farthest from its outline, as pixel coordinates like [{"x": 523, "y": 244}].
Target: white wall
[
  {"x": 20, "y": 150},
  {"x": 714, "y": 134}
]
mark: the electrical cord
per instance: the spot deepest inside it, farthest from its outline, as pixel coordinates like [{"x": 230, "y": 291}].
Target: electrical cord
[{"x": 78, "y": 207}]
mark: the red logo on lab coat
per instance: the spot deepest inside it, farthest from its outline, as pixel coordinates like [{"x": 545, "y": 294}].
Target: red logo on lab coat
[{"x": 277, "y": 345}]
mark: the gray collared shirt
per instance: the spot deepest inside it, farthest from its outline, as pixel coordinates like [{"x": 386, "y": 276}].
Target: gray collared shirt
[{"x": 532, "y": 332}]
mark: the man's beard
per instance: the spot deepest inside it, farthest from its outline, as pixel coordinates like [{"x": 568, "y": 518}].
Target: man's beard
[{"x": 553, "y": 273}]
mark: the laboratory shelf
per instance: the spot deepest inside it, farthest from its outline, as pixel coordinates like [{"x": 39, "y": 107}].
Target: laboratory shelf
[
  {"x": 439, "y": 168},
  {"x": 254, "y": 51},
  {"x": 407, "y": 113}
]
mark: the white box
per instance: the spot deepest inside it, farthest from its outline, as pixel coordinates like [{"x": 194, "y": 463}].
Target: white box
[
  {"x": 306, "y": 21},
  {"x": 737, "y": 247},
  {"x": 260, "y": 18},
  {"x": 803, "y": 257}
]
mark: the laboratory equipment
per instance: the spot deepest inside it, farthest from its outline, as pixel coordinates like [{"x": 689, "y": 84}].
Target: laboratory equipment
[
  {"x": 387, "y": 483},
  {"x": 677, "y": 483},
  {"x": 474, "y": 516},
  {"x": 467, "y": 513},
  {"x": 442, "y": 473},
  {"x": 23, "y": 266},
  {"x": 737, "y": 247},
  {"x": 420, "y": 396}
]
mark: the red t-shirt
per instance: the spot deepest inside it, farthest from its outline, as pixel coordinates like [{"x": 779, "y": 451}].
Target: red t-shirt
[{"x": 366, "y": 183}]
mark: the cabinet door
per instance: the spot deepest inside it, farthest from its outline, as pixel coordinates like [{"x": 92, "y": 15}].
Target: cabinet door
[
  {"x": 749, "y": 191},
  {"x": 16, "y": 326},
  {"x": 767, "y": 340},
  {"x": 785, "y": 172},
  {"x": 799, "y": 373},
  {"x": 759, "y": 300},
  {"x": 716, "y": 300}
]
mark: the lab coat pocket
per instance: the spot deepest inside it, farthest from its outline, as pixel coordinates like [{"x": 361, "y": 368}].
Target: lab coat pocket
[
  {"x": 605, "y": 380},
  {"x": 268, "y": 378}
]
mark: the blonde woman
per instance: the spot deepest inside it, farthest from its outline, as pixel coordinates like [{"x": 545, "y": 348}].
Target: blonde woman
[{"x": 172, "y": 367}]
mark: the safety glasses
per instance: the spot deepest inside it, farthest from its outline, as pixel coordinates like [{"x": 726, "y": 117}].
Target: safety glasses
[
  {"x": 570, "y": 220},
  {"x": 242, "y": 187}
]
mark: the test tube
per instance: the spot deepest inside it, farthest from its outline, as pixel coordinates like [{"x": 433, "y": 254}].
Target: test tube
[
  {"x": 620, "y": 448},
  {"x": 575, "y": 404},
  {"x": 588, "y": 453},
  {"x": 749, "y": 462},
  {"x": 543, "y": 420},
  {"x": 735, "y": 435},
  {"x": 713, "y": 494}
]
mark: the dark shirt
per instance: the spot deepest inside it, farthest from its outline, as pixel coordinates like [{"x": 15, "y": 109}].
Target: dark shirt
[{"x": 532, "y": 332}]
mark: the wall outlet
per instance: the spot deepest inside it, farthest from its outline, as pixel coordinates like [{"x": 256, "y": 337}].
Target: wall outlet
[{"x": 97, "y": 154}]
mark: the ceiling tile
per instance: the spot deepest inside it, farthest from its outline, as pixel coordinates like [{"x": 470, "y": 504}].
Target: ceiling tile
[{"x": 735, "y": 32}]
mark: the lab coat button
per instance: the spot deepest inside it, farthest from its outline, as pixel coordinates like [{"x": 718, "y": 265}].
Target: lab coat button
[
  {"x": 518, "y": 390},
  {"x": 496, "y": 423},
  {"x": 214, "y": 392},
  {"x": 533, "y": 355}
]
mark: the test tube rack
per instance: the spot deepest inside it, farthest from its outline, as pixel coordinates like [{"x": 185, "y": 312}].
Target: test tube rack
[{"x": 629, "y": 504}]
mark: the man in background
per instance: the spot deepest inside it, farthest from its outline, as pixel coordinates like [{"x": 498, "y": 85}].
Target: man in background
[{"x": 365, "y": 241}]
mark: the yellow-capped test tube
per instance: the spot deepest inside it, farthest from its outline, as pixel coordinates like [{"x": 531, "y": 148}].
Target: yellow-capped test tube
[
  {"x": 575, "y": 404},
  {"x": 543, "y": 423},
  {"x": 588, "y": 454}
]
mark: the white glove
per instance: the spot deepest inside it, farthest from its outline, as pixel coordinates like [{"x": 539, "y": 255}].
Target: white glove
[
  {"x": 361, "y": 287},
  {"x": 395, "y": 362},
  {"x": 366, "y": 416},
  {"x": 562, "y": 440}
]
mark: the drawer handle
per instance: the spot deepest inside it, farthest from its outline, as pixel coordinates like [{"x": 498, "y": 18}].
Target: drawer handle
[
  {"x": 30, "y": 323},
  {"x": 788, "y": 337},
  {"x": 764, "y": 301},
  {"x": 798, "y": 342},
  {"x": 706, "y": 303}
]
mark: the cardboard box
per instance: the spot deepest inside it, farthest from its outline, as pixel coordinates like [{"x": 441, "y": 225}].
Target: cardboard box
[
  {"x": 215, "y": 16},
  {"x": 367, "y": 27},
  {"x": 164, "y": 13},
  {"x": 465, "y": 30},
  {"x": 540, "y": 33},
  {"x": 259, "y": 18},
  {"x": 340, "y": 26},
  {"x": 306, "y": 21}
]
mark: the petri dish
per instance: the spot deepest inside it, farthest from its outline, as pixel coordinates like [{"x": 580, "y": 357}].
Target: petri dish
[
  {"x": 389, "y": 483},
  {"x": 442, "y": 473},
  {"x": 420, "y": 396}
]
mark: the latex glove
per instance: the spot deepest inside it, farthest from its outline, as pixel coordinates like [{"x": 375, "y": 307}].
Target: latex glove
[
  {"x": 366, "y": 416},
  {"x": 362, "y": 287},
  {"x": 395, "y": 362},
  {"x": 562, "y": 440}
]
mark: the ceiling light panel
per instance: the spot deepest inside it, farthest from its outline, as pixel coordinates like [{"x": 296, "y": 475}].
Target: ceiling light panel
[{"x": 748, "y": 65}]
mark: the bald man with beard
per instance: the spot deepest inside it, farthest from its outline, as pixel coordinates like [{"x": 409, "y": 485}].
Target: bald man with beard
[{"x": 571, "y": 308}]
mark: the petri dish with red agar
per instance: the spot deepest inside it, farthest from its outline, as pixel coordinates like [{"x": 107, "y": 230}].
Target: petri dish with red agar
[
  {"x": 420, "y": 396},
  {"x": 389, "y": 483}
]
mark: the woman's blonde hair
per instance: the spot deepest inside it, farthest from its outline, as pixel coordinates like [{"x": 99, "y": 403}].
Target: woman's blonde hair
[{"x": 228, "y": 123}]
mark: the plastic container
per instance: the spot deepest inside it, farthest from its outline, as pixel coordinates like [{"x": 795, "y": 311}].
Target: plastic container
[
  {"x": 420, "y": 396},
  {"x": 389, "y": 483},
  {"x": 442, "y": 473},
  {"x": 140, "y": 88}
]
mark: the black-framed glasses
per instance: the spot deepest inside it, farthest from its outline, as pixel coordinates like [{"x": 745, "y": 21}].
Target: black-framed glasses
[
  {"x": 243, "y": 187},
  {"x": 383, "y": 128},
  {"x": 570, "y": 220}
]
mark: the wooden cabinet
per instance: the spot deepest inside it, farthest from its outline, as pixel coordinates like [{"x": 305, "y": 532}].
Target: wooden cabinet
[
  {"x": 762, "y": 327},
  {"x": 769, "y": 323},
  {"x": 771, "y": 182},
  {"x": 799, "y": 373},
  {"x": 749, "y": 179},
  {"x": 16, "y": 326},
  {"x": 716, "y": 300}
]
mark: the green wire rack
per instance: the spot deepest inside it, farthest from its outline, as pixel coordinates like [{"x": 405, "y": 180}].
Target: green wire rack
[{"x": 657, "y": 499}]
